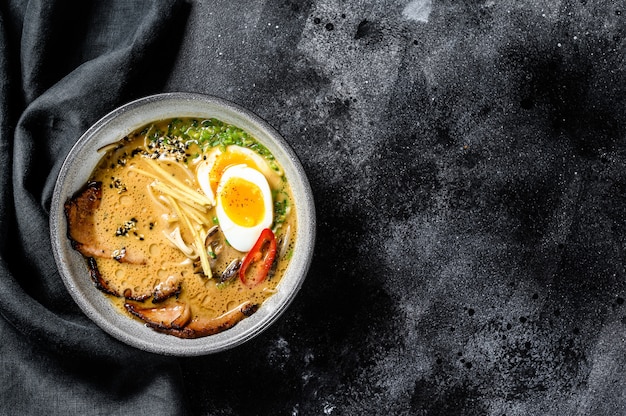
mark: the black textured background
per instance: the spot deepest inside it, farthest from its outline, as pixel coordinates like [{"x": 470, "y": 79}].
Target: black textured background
[{"x": 468, "y": 162}]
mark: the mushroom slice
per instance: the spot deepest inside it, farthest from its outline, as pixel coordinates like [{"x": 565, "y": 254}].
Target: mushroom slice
[
  {"x": 231, "y": 270},
  {"x": 200, "y": 327},
  {"x": 176, "y": 239},
  {"x": 171, "y": 317},
  {"x": 213, "y": 243}
]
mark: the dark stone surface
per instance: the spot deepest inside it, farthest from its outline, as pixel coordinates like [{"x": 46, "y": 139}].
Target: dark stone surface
[{"x": 468, "y": 161}]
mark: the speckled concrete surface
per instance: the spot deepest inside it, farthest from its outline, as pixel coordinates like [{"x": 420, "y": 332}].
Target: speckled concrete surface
[{"x": 468, "y": 161}]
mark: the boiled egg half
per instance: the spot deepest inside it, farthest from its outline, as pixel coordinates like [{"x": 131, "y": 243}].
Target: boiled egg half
[
  {"x": 243, "y": 205},
  {"x": 211, "y": 168}
]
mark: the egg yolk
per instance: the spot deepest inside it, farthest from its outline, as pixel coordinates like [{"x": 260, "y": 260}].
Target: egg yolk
[
  {"x": 243, "y": 202},
  {"x": 226, "y": 160}
]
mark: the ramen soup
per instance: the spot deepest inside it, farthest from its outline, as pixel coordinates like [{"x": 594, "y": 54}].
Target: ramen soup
[{"x": 186, "y": 225}]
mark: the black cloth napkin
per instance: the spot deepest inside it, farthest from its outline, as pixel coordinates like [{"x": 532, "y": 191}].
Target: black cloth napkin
[{"x": 63, "y": 65}]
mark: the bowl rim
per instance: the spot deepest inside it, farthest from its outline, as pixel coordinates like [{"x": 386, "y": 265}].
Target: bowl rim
[{"x": 93, "y": 302}]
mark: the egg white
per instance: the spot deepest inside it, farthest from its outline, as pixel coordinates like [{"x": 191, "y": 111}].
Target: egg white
[
  {"x": 261, "y": 163},
  {"x": 239, "y": 237},
  {"x": 253, "y": 159}
]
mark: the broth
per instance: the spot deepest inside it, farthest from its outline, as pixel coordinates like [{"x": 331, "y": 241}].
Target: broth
[{"x": 156, "y": 239}]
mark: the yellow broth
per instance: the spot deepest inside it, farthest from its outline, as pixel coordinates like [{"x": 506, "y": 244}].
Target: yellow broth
[{"x": 134, "y": 216}]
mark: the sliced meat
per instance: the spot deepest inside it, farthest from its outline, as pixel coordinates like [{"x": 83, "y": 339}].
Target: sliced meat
[
  {"x": 201, "y": 327},
  {"x": 100, "y": 283},
  {"x": 80, "y": 213},
  {"x": 164, "y": 290},
  {"x": 104, "y": 285},
  {"x": 171, "y": 317},
  {"x": 196, "y": 327}
]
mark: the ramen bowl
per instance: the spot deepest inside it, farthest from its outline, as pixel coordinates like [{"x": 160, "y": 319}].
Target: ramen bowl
[{"x": 77, "y": 170}]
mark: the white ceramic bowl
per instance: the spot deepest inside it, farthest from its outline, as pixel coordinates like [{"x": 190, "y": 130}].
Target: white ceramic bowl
[{"x": 80, "y": 163}]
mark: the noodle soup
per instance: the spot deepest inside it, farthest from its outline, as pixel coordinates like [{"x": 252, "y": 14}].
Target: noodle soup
[{"x": 186, "y": 224}]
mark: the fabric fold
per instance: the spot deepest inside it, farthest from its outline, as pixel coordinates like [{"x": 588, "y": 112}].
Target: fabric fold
[{"x": 65, "y": 73}]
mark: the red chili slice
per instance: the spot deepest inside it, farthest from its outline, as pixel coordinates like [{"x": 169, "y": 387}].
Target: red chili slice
[{"x": 258, "y": 262}]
